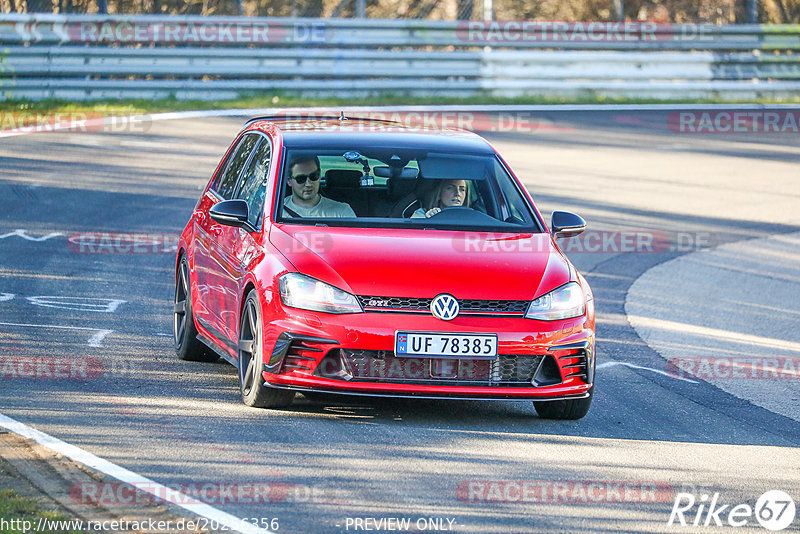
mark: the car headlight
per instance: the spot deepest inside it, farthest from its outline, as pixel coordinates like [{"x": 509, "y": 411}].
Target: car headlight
[
  {"x": 564, "y": 302},
  {"x": 306, "y": 293}
]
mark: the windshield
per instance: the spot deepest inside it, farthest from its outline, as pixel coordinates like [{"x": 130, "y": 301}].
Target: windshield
[{"x": 372, "y": 187}]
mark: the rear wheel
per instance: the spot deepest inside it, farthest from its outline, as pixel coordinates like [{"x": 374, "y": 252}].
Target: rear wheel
[
  {"x": 251, "y": 383},
  {"x": 187, "y": 346},
  {"x": 564, "y": 409}
]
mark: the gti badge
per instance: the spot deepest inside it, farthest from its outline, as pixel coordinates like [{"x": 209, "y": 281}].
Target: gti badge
[{"x": 445, "y": 307}]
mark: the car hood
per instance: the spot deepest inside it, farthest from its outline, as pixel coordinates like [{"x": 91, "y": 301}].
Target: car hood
[{"x": 424, "y": 263}]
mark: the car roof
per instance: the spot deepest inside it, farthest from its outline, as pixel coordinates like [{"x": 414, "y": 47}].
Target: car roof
[{"x": 333, "y": 132}]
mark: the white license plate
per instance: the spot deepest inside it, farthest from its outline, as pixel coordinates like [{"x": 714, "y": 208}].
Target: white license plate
[{"x": 443, "y": 345}]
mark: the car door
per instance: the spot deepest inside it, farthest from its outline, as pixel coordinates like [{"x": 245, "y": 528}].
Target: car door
[
  {"x": 212, "y": 243},
  {"x": 244, "y": 247}
]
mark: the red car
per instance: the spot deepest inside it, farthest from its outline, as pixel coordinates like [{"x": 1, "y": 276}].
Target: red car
[{"x": 365, "y": 257}]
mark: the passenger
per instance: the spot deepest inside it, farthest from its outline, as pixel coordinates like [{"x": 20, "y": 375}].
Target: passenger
[
  {"x": 447, "y": 193},
  {"x": 305, "y": 200}
]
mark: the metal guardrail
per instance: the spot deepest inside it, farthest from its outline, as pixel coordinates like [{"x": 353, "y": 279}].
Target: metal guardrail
[{"x": 82, "y": 56}]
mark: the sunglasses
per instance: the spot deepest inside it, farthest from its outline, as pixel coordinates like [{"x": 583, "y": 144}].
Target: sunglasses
[{"x": 301, "y": 178}]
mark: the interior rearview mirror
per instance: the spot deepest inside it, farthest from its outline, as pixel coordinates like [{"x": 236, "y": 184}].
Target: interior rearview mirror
[{"x": 386, "y": 172}]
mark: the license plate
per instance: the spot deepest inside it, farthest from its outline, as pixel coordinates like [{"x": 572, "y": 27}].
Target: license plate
[{"x": 475, "y": 346}]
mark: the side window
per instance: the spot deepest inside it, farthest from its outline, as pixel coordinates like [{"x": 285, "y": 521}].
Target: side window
[
  {"x": 254, "y": 184},
  {"x": 227, "y": 183}
]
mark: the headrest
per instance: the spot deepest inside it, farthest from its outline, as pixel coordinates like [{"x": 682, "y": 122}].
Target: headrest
[
  {"x": 400, "y": 187},
  {"x": 343, "y": 178}
]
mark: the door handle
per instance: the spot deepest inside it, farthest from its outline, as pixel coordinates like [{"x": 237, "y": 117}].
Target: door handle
[{"x": 216, "y": 230}]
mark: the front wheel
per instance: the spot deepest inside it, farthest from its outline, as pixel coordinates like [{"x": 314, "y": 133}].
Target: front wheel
[
  {"x": 187, "y": 346},
  {"x": 251, "y": 383},
  {"x": 564, "y": 409}
]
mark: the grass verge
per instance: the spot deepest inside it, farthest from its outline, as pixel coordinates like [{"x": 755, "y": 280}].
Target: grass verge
[{"x": 17, "y": 513}]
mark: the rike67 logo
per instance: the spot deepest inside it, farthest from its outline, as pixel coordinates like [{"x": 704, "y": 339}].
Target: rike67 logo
[{"x": 774, "y": 510}]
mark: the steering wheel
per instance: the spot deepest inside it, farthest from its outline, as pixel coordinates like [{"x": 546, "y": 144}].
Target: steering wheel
[
  {"x": 460, "y": 214},
  {"x": 452, "y": 210}
]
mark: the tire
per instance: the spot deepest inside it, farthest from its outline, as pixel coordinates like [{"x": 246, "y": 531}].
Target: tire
[
  {"x": 564, "y": 409},
  {"x": 251, "y": 384},
  {"x": 187, "y": 346}
]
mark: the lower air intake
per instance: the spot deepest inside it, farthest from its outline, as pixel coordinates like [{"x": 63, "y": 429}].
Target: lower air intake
[{"x": 385, "y": 367}]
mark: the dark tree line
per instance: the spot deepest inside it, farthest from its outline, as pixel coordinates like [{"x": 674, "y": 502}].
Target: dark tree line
[{"x": 678, "y": 11}]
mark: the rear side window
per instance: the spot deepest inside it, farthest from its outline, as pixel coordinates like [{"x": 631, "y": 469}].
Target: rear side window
[
  {"x": 227, "y": 184},
  {"x": 254, "y": 184}
]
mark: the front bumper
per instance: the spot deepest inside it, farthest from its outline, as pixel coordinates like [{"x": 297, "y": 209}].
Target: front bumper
[{"x": 537, "y": 360}]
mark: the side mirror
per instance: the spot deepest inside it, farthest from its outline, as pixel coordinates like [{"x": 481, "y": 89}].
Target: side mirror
[
  {"x": 566, "y": 224},
  {"x": 230, "y": 213}
]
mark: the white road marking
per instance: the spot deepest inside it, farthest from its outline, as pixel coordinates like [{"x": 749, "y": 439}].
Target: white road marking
[
  {"x": 97, "y": 339},
  {"x": 24, "y": 235},
  {"x": 633, "y": 366},
  {"x": 77, "y": 303},
  {"x": 88, "y": 459},
  {"x": 94, "y": 341},
  {"x": 6, "y": 296}
]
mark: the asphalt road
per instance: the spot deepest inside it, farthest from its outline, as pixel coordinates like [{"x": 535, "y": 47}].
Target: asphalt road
[{"x": 331, "y": 463}]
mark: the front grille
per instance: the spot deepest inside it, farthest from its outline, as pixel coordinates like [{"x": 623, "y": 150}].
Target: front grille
[
  {"x": 385, "y": 367},
  {"x": 395, "y": 303},
  {"x": 468, "y": 306}
]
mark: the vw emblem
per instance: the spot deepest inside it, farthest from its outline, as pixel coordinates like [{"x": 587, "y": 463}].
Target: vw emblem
[{"x": 445, "y": 307}]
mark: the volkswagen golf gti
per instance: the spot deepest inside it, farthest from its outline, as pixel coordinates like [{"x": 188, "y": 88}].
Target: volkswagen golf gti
[{"x": 366, "y": 257}]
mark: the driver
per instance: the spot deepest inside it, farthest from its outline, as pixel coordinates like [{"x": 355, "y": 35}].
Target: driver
[
  {"x": 447, "y": 193},
  {"x": 305, "y": 200}
]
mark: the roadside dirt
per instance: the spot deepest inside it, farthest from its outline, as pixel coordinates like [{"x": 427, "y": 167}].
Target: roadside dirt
[{"x": 56, "y": 483}]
